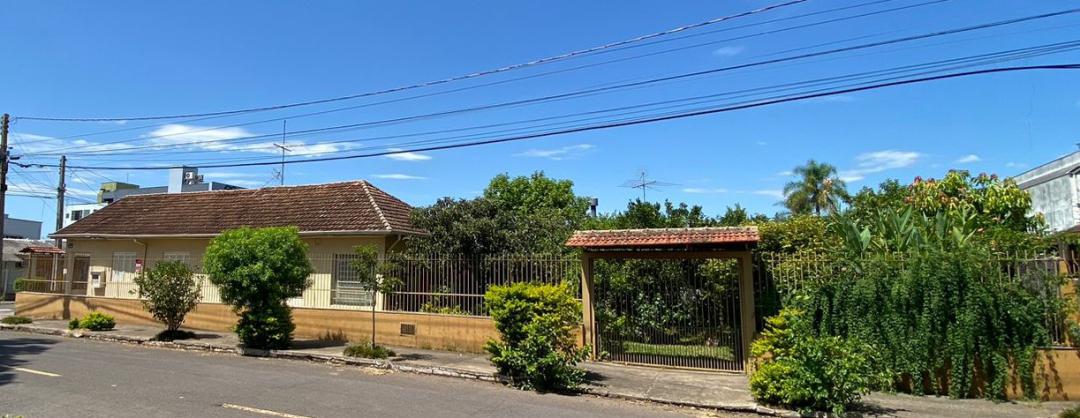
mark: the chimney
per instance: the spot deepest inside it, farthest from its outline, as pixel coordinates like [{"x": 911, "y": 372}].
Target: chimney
[
  {"x": 593, "y": 202},
  {"x": 182, "y": 176}
]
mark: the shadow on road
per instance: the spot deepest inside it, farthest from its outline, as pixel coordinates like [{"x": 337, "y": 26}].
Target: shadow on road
[{"x": 17, "y": 351}]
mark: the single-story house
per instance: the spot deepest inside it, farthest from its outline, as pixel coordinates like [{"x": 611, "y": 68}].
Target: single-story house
[
  {"x": 108, "y": 248},
  {"x": 16, "y": 262}
]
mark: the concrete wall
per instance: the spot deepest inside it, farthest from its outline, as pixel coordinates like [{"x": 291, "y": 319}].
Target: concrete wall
[
  {"x": 21, "y": 228},
  {"x": 433, "y": 331}
]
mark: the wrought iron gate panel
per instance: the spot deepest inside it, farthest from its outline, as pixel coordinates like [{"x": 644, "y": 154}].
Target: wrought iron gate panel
[{"x": 676, "y": 313}]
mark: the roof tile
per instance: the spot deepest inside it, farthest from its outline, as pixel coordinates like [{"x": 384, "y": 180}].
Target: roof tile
[
  {"x": 663, "y": 237},
  {"x": 355, "y": 206}
]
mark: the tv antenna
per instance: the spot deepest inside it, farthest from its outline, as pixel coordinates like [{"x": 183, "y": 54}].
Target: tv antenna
[{"x": 644, "y": 183}]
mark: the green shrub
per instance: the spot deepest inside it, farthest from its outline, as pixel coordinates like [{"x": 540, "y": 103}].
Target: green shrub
[
  {"x": 16, "y": 320},
  {"x": 97, "y": 321},
  {"x": 73, "y": 324},
  {"x": 429, "y": 307},
  {"x": 366, "y": 350},
  {"x": 256, "y": 271},
  {"x": 1073, "y": 412},
  {"x": 536, "y": 324},
  {"x": 800, "y": 371},
  {"x": 21, "y": 284},
  {"x": 170, "y": 291}
]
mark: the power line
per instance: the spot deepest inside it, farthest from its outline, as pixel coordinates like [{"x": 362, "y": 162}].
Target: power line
[
  {"x": 683, "y": 115},
  {"x": 580, "y": 93},
  {"x": 532, "y": 63},
  {"x": 592, "y": 65},
  {"x": 427, "y": 95},
  {"x": 924, "y": 68}
]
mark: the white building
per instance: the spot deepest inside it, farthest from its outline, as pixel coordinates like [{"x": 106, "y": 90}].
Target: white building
[
  {"x": 1053, "y": 189},
  {"x": 73, "y": 213}
]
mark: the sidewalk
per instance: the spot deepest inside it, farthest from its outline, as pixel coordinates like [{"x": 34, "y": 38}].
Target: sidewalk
[{"x": 711, "y": 390}]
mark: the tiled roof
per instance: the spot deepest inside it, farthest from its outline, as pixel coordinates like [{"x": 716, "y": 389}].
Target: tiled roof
[
  {"x": 41, "y": 250},
  {"x": 13, "y": 246},
  {"x": 663, "y": 237},
  {"x": 348, "y": 207}
]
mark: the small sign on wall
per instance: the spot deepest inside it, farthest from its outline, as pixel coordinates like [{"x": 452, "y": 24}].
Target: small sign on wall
[
  {"x": 138, "y": 266},
  {"x": 95, "y": 279}
]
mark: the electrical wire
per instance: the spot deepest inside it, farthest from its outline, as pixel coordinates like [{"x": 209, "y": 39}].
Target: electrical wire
[
  {"x": 579, "y": 93},
  {"x": 532, "y": 63},
  {"x": 683, "y": 115}
]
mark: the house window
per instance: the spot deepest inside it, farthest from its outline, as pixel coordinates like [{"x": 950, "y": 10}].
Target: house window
[
  {"x": 123, "y": 267},
  {"x": 181, "y": 256},
  {"x": 345, "y": 288}
]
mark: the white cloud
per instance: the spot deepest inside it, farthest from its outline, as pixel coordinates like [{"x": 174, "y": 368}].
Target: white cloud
[
  {"x": 970, "y": 158},
  {"x": 407, "y": 156},
  {"x": 700, "y": 190},
  {"x": 786, "y": 173},
  {"x": 563, "y": 153},
  {"x": 1012, "y": 164},
  {"x": 762, "y": 143},
  {"x": 878, "y": 161},
  {"x": 221, "y": 139},
  {"x": 728, "y": 51},
  {"x": 779, "y": 194},
  {"x": 398, "y": 176}
]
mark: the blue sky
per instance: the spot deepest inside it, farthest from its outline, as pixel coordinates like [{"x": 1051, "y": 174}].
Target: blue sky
[{"x": 135, "y": 58}]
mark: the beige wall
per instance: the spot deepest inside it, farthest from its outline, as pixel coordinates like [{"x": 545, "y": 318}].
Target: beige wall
[
  {"x": 433, "y": 331},
  {"x": 101, "y": 253}
]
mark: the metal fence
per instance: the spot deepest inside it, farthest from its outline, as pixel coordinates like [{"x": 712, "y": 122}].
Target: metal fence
[
  {"x": 681, "y": 313},
  {"x": 437, "y": 285},
  {"x": 778, "y": 275}
]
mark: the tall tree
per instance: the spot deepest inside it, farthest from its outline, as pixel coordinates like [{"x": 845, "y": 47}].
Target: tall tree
[{"x": 817, "y": 190}]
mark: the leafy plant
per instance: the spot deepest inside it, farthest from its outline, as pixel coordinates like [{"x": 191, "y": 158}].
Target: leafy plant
[
  {"x": 73, "y": 324},
  {"x": 435, "y": 308},
  {"x": 536, "y": 322},
  {"x": 1073, "y": 412},
  {"x": 374, "y": 275},
  {"x": 173, "y": 335},
  {"x": 809, "y": 373},
  {"x": 97, "y": 321},
  {"x": 16, "y": 320},
  {"x": 818, "y": 189},
  {"x": 256, "y": 271},
  {"x": 366, "y": 350},
  {"x": 169, "y": 292}
]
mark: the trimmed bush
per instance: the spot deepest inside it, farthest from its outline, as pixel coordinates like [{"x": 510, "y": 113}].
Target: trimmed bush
[
  {"x": 366, "y": 350},
  {"x": 97, "y": 321},
  {"x": 536, "y": 324},
  {"x": 807, "y": 373},
  {"x": 170, "y": 291},
  {"x": 256, "y": 271},
  {"x": 16, "y": 320},
  {"x": 73, "y": 324}
]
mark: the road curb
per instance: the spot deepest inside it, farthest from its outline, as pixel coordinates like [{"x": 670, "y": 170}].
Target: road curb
[{"x": 189, "y": 345}]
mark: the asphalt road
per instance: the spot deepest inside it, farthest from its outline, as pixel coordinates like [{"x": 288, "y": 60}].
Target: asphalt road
[{"x": 42, "y": 376}]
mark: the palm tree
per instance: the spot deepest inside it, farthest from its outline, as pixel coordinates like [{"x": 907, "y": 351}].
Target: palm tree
[{"x": 819, "y": 189}]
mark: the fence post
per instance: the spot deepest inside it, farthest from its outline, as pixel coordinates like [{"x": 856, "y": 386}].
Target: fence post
[
  {"x": 747, "y": 322},
  {"x": 588, "y": 334}
]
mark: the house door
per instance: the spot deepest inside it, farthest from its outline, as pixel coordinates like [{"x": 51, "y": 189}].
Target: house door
[{"x": 80, "y": 275}]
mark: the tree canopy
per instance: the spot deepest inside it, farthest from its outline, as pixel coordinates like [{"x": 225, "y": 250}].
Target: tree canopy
[{"x": 817, "y": 190}]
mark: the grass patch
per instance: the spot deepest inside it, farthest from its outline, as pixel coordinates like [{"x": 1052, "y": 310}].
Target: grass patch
[
  {"x": 675, "y": 350},
  {"x": 174, "y": 335},
  {"x": 366, "y": 350},
  {"x": 1070, "y": 413},
  {"x": 16, "y": 320}
]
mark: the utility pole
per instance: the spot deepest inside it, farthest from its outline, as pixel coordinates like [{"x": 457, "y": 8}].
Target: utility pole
[
  {"x": 4, "y": 121},
  {"x": 60, "y": 200}
]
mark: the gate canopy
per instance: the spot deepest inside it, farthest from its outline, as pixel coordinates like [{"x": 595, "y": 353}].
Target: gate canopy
[
  {"x": 673, "y": 244},
  {"x": 730, "y": 238}
]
